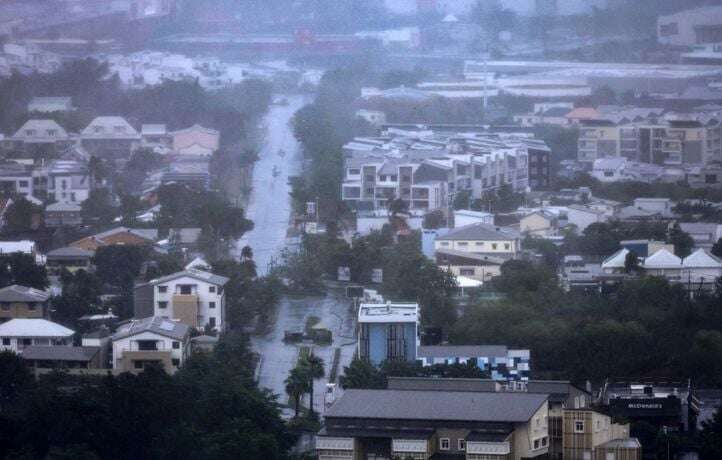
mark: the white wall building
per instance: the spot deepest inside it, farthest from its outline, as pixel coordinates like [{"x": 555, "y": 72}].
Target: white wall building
[
  {"x": 584, "y": 216},
  {"x": 153, "y": 340},
  {"x": 194, "y": 297},
  {"x": 19, "y": 333}
]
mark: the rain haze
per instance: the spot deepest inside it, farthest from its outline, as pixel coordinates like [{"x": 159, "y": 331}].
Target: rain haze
[{"x": 361, "y": 229}]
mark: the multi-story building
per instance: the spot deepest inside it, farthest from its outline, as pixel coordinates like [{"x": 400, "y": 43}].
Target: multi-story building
[
  {"x": 111, "y": 138},
  {"x": 148, "y": 341},
  {"x": 40, "y": 137},
  {"x": 68, "y": 181},
  {"x": 16, "y": 179},
  {"x": 648, "y": 136},
  {"x": 691, "y": 27},
  {"x": 501, "y": 362},
  {"x": 194, "y": 297},
  {"x": 590, "y": 434},
  {"x": 424, "y": 424},
  {"x": 63, "y": 215},
  {"x": 388, "y": 332},
  {"x": 22, "y": 302},
  {"x": 427, "y": 169}
]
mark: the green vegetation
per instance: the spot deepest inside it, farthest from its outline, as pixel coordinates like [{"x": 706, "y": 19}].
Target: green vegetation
[
  {"x": 18, "y": 268},
  {"x": 209, "y": 409},
  {"x": 646, "y": 328}
]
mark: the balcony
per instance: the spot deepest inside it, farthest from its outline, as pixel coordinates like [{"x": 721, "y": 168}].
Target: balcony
[{"x": 488, "y": 448}]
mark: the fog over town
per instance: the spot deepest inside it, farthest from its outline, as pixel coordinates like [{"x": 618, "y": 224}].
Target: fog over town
[{"x": 361, "y": 229}]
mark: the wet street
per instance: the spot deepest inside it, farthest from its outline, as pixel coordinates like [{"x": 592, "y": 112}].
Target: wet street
[{"x": 270, "y": 210}]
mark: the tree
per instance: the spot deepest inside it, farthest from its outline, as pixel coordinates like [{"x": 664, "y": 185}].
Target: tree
[
  {"x": 246, "y": 253},
  {"x": 717, "y": 248},
  {"x": 631, "y": 263},
  {"x": 17, "y": 378},
  {"x": 99, "y": 208},
  {"x": 313, "y": 368},
  {"x": 711, "y": 437},
  {"x": 434, "y": 219},
  {"x": 397, "y": 206},
  {"x": 599, "y": 239},
  {"x": 682, "y": 241},
  {"x": 296, "y": 386},
  {"x": 20, "y": 216},
  {"x": 361, "y": 374},
  {"x": 462, "y": 200},
  {"x": 19, "y": 268}
]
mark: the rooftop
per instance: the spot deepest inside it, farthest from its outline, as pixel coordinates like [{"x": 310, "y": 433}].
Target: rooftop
[
  {"x": 156, "y": 324},
  {"x": 17, "y": 293},
  {"x": 480, "y": 231},
  {"x": 44, "y": 353},
  {"x": 388, "y": 313},
  {"x": 36, "y": 327},
  {"x": 200, "y": 275},
  {"x": 435, "y": 405},
  {"x": 448, "y": 351}
]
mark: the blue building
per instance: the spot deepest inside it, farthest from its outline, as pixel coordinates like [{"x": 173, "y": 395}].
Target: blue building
[
  {"x": 388, "y": 332},
  {"x": 501, "y": 362}
]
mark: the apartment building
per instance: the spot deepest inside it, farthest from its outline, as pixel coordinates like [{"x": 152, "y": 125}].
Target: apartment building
[
  {"x": 388, "y": 332},
  {"x": 424, "y": 424},
  {"x": 194, "y": 297},
  {"x": 22, "y": 302},
  {"x": 111, "y": 138},
  {"x": 426, "y": 169},
  {"x": 671, "y": 139},
  {"x": 148, "y": 341},
  {"x": 68, "y": 181}
]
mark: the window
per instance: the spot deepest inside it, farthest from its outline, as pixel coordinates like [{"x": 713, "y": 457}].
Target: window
[
  {"x": 494, "y": 246},
  {"x": 27, "y": 342},
  {"x": 507, "y": 246},
  {"x": 579, "y": 426},
  {"x": 162, "y": 305},
  {"x": 212, "y": 321},
  {"x": 6, "y": 341},
  {"x": 544, "y": 441},
  {"x": 186, "y": 289},
  {"x": 466, "y": 271},
  {"x": 52, "y": 132},
  {"x": 354, "y": 172},
  {"x": 162, "y": 289},
  {"x": 537, "y": 444},
  {"x": 23, "y": 183},
  {"x": 444, "y": 243},
  {"x": 211, "y": 305},
  {"x": 175, "y": 362},
  {"x": 445, "y": 444},
  {"x": 176, "y": 345},
  {"x": 211, "y": 289},
  {"x": 462, "y": 444},
  {"x": 479, "y": 243},
  {"x": 462, "y": 243},
  {"x": 138, "y": 364}
]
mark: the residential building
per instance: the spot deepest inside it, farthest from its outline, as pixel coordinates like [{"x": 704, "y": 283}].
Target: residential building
[
  {"x": 423, "y": 424},
  {"x": 388, "y": 332},
  {"x": 195, "y": 297},
  {"x": 491, "y": 240},
  {"x": 150, "y": 341},
  {"x": 539, "y": 223},
  {"x": 118, "y": 235},
  {"x": 16, "y": 179},
  {"x": 645, "y": 248},
  {"x": 68, "y": 181},
  {"x": 480, "y": 267},
  {"x": 577, "y": 274},
  {"x": 20, "y": 333},
  {"x": 704, "y": 234},
  {"x": 195, "y": 141},
  {"x": 22, "y": 302},
  {"x": 40, "y": 137},
  {"x": 582, "y": 216},
  {"x": 110, "y": 138},
  {"x": 50, "y": 104},
  {"x": 691, "y": 27},
  {"x": 155, "y": 136},
  {"x": 591, "y": 434},
  {"x": 41, "y": 358},
  {"x": 22, "y": 246},
  {"x": 609, "y": 169},
  {"x": 426, "y": 168},
  {"x": 501, "y": 362},
  {"x": 663, "y": 206},
  {"x": 62, "y": 214},
  {"x": 68, "y": 258}
]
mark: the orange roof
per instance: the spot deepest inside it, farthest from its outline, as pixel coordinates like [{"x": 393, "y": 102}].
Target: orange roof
[{"x": 584, "y": 113}]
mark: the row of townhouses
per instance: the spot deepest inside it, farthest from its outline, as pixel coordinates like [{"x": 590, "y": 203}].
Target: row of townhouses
[{"x": 426, "y": 169}]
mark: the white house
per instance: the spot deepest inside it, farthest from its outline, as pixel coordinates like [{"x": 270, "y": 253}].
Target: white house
[
  {"x": 194, "y": 297},
  {"x": 609, "y": 169},
  {"x": 19, "y": 333},
  {"x": 153, "y": 340},
  {"x": 663, "y": 263},
  {"x": 464, "y": 217},
  {"x": 701, "y": 268}
]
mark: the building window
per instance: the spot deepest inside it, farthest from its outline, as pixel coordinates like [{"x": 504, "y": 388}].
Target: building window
[
  {"x": 445, "y": 444},
  {"x": 537, "y": 444},
  {"x": 138, "y": 364},
  {"x": 462, "y": 444},
  {"x": 211, "y": 305},
  {"x": 466, "y": 271},
  {"x": 462, "y": 243},
  {"x": 176, "y": 345},
  {"x": 579, "y": 426},
  {"x": 175, "y": 362},
  {"x": 212, "y": 321},
  {"x": 211, "y": 289},
  {"x": 162, "y": 289},
  {"x": 494, "y": 246},
  {"x": 186, "y": 289},
  {"x": 23, "y": 183},
  {"x": 507, "y": 246},
  {"x": 544, "y": 441},
  {"x": 162, "y": 305},
  {"x": 6, "y": 341}
]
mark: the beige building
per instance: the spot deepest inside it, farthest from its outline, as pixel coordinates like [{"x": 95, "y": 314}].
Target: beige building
[
  {"x": 22, "y": 302},
  {"x": 539, "y": 223},
  {"x": 503, "y": 242},
  {"x": 591, "y": 435}
]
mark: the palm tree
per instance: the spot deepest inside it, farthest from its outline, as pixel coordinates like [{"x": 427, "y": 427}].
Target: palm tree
[
  {"x": 246, "y": 253},
  {"x": 314, "y": 369},
  {"x": 296, "y": 386}
]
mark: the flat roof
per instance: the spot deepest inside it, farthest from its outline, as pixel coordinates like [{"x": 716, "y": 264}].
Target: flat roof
[
  {"x": 435, "y": 405},
  {"x": 388, "y": 312}
]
